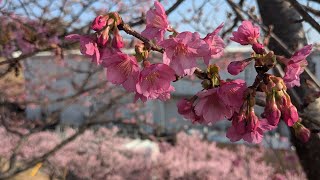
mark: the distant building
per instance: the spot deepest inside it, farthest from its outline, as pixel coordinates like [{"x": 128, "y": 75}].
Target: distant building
[{"x": 164, "y": 113}]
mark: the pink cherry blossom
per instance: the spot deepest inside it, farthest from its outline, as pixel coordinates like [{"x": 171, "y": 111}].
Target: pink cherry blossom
[
  {"x": 211, "y": 107},
  {"x": 216, "y": 44},
  {"x": 154, "y": 82},
  {"x": 88, "y": 46},
  {"x": 182, "y": 51},
  {"x": 271, "y": 111},
  {"x": 247, "y": 33},
  {"x": 220, "y": 103},
  {"x": 186, "y": 109},
  {"x": 98, "y": 23},
  {"x": 117, "y": 41},
  {"x": 249, "y": 128},
  {"x": 121, "y": 68},
  {"x": 295, "y": 66},
  {"x": 157, "y": 23},
  {"x": 236, "y": 67},
  {"x": 232, "y": 92}
]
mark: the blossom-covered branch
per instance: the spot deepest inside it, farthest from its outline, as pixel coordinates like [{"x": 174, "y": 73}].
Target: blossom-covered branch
[{"x": 219, "y": 99}]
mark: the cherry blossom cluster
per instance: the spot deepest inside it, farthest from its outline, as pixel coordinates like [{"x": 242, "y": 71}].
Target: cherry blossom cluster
[{"x": 220, "y": 99}]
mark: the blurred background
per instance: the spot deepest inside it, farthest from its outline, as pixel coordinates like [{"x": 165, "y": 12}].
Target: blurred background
[{"x": 61, "y": 119}]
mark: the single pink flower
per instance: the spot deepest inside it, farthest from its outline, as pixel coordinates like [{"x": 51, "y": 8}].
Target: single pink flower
[
  {"x": 246, "y": 34},
  {"x": 221, "y": 102},
  {"x": 186, "y": 109},
  {"x": 236, "y": 67},
  {"x": 88, "y": 46},
  {"x": 249, "y": 128},
  {"x": 302, "y": 54},
  {"x": 295, "y": 66},
  {"x": 154, "y": 81},
  {"x": 216, "y": 44},
  {"x": 98, "y": 23},
  {"x": 121, "y": 69},
  {"x": 182, "y": 51},
  {"x": 157, "y": 23},
  {"x": 232, "y": 92},
  {"x": 211, "y": 107}
]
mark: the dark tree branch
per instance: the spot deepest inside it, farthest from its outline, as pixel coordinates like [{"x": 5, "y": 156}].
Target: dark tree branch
[
  {"x": 127, "y": 28},
  {"x": 313, "y": 11},
  {"x": 305, "y": 14}
]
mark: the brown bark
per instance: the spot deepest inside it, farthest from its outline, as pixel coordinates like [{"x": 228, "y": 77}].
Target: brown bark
[{"x": 283, "y": 18}]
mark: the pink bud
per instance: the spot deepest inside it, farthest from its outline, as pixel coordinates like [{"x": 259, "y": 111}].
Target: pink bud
[
  {"x": 258, "y": 48},
  {"x": 273, "y": 115},
  {"x": 98, "y": 23},
  {"x": 252, "y": 121},
  {"x": 236, "y": 67},
  {"x": 117, "y": 41},
  {"x": 301, "y": 132},
  {"x": 271, "y": 111},
  {"x": 103, "y": 37},
  {"x": 288, "y": 110},
  {"x": 290, "y": 115}
]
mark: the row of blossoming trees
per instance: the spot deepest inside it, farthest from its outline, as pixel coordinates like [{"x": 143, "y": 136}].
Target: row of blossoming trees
[
  {"x": 220, "y": 99},
  {"x": 102, "y": 154}
]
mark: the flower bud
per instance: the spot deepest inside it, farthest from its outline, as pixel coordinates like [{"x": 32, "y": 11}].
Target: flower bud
[
  {"x": 142, "y": 53},
  {"x": 278, "y": 83},
  {"x": 289, "y": 112},
  {"x": 116, "y": 17},
  {"x": 98, "y": 23},
  {"x": 252, "y": 121},
  {"x": 301, "y": 132},
  {"x": 258, "y": 48},
  {"x": 236, "y": 67},
  {"x": 103, "y": 37},
  {"x": 271, "y": 111},
  {"x": 117, "y": 41}
]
